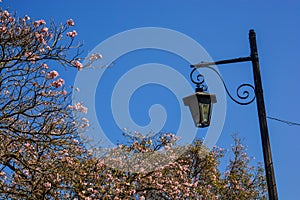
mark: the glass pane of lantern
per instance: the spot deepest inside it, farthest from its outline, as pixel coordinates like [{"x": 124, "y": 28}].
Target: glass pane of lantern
[
  {"x": 200, "y": 105},
  {"x": 205, "y": 112}
]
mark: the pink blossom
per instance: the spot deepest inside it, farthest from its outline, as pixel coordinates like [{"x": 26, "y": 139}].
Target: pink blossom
[
  {"x": 42, "y": 93},
  {"x": 11, "y": 19},
  {"x": 83, "y": 109},
  {"x": 195, "y": 184},
  {"x": 26, "y": 18},
  {"x": 167, "y": 147},
  {"x": 39, "y": 22},
  {"x": 6, "y": 92},
  {"x": 40, "y": 38},
  {"x": 27, "y": 54},
  {"x": 29, "y": 146},
  {"x": 41, "y": 50},
  {"x": 45, "y": 29},
  {"x": 53, "y": 133},
  {"x": 79, "y": 107},
  {"x": 30, "y": 56},
  {"x": 160, "y": 186},
  {"x": 72, "y": 34},
  {"x": 85, "y": 125},
  {"x": 52, "y": 74},
  {"x": 5, "y": 13},
  {"x": 58, "y": 179},
  {"x": 99, "y": 164},
  {"x": 3, "y": 28},
  {"x": 58, "y": 83},
  {"x": 77, "y": 64},
  {"x": 95, "y": 57},
  {"x": 76, "y": 141},
  {"x": 45, "y": 66},
  {"x": 214, "y": 177},
  {"x": 48, "y": 48},
  {"x": 187, "y": 184},
  {"x": 47, "y": 185},
  {"x": 85, "y": 120},
  {"x": 70, "y": 22}
]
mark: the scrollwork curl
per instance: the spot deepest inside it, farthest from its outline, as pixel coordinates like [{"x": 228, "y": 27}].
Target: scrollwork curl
[
  {"x": 243, "y": 91},
  {"x": 199, "y": 80}
]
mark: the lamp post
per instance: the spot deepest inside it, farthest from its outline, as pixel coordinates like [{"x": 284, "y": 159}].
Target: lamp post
[{"x": 197, "y": 106}]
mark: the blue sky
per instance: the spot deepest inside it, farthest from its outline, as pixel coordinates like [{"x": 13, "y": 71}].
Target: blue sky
[{"x": 221, "y": 27}]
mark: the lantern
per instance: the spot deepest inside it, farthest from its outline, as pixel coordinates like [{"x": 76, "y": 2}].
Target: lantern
[{"x": 200, "y": 104}]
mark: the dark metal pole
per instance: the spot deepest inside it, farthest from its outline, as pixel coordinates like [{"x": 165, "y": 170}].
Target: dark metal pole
[
  {"x": 270, "y": 175},
  {"x": 221, "y": 62}
]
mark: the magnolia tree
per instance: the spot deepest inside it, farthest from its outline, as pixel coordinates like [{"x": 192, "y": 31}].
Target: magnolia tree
[
  {"x": 37, "y": 130},
  {"x": 195, "y": 174},
  {"x": 43, "y": 157}
]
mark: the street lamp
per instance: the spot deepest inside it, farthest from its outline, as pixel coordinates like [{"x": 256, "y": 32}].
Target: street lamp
[{"x": 201, "y": 102}]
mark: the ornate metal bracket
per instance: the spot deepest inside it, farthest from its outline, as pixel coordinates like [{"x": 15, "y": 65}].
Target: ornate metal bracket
[
  {"x": 243, "y": 91},
  {"x": 198, "y": 80}
]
